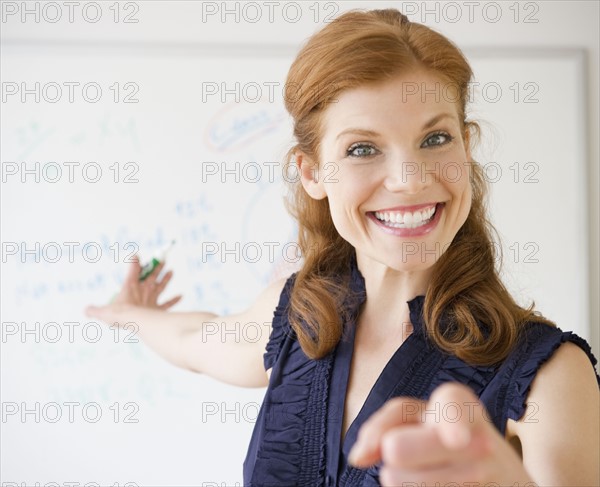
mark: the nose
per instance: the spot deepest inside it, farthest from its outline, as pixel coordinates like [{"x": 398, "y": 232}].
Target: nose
[{"x": 408, "y": 175}]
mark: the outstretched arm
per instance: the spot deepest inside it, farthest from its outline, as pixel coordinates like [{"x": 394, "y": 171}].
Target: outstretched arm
[{"x": 227, "y": 348}]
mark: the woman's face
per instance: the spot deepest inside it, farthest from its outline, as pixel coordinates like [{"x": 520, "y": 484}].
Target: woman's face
[{"x": 394, "y": 169}]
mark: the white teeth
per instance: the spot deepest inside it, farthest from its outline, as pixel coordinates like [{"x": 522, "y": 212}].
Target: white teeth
[{"x": 407, "y": 219}]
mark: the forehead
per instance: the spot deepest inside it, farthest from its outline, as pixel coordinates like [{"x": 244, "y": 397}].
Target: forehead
[{"x": 403, "y": 101}]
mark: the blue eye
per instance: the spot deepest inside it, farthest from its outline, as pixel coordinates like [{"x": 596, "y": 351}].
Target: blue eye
[
  {"x": 361, "y": 150},
  {"x": 436, "y": 136},
  {"x": 350, "y": 152}
]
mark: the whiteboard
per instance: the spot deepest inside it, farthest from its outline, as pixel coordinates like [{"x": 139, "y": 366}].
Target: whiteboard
[{"x": 160, "y": 425}]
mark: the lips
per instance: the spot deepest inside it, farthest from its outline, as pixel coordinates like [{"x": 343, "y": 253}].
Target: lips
[
  {"x": 405, "y": 224},
  {"x": 407, "y": 218}
]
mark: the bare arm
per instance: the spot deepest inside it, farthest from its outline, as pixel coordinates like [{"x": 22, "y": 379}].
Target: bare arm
[
  {"x": 227, "y": 348},
  {"x": 230, "y": 348},
  {"x": 561, "y": 445}
]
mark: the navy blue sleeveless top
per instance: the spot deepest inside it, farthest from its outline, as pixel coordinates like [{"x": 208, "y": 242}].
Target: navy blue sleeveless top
[{"x": 296, "y": 438}]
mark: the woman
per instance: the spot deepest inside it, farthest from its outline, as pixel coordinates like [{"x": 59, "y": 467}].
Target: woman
[{"x": 396, "y": 338}]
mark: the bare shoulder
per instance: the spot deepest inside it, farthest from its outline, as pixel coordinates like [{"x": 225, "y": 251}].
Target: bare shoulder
[
  {"x": 560, "y": 433},
  {"x": 567, "y": 371},
  {"x": 259, "y": 315},
  {"x": 568, "y": 360},
  {"x": 268, "y": 299},
  {"x": 263, "y": 307}
]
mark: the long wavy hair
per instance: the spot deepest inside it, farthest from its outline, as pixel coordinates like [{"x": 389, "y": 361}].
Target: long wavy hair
[{"x": 357, "y": 48}]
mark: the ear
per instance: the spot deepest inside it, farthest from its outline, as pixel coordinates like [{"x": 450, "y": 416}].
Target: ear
[{"x": 309, "y": 176}]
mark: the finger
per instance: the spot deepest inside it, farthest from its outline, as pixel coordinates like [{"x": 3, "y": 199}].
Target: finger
[
  {"x": 152, "y": 278},
  {"x": 134, "y": 270},
  {"x": 395, "y": 412},
  {"x": 171, "y": 302},
  {"x": 419, "y": 446},
  {"x": 462, "y": 413},
  {"x": 411, "y": 447},
  {"x": 466, "y": 473},
  {"x": 164, "y": 281}
]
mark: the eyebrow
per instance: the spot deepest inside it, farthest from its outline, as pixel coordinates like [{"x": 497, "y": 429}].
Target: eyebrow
[{"x": 371, "y": 133}]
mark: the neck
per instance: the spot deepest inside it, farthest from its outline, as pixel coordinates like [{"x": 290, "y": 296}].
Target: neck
[{"x": 388, "y": 291}]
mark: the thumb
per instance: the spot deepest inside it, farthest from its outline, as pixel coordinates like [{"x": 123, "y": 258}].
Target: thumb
[
  {"x": 395, "y": 412},
  {"x": 103, "y": 313},
  {"x": 93, "y": 311}
]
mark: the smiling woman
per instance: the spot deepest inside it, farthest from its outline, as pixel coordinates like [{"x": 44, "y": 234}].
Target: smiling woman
[
  {"x": 410, "y": 101},
  {"x": 396, "y": 355},
  {"x": 400, "y": 188},
  {"x": 399, "y": 292}
]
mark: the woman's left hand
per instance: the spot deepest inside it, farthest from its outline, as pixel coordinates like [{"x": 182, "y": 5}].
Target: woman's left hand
[{"x": 449, "y": 438}]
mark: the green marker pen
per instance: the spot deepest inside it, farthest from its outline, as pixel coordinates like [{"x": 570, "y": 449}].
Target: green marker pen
[{"x": 148, "y": 268}]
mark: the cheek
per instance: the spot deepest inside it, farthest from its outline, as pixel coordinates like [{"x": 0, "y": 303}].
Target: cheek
[
  {"x": 463, "y": 194},
  {"x": 455, "y": 177},
  {"x": 466, "y": 202},
  {"x": 342, "y": 221},
  {"x": 455, "y": 174},
  {"x": 346, "y": 197},
  {"x": 347, "y": 189}
]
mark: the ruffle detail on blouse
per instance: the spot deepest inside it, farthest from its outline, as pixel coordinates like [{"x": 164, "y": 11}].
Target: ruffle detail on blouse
[
  {"x": 291, "y": 451},
  {"x": 454, "y": 369},
  {"x": 542, "y": 341},
  {"x": 294, "y": 424},
  {"x": 415, "y": 307},
  {"x": 279, "y": 325},
  {"x": 368, "y": 477}
]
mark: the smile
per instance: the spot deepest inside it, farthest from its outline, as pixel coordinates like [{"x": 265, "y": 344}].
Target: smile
[
  {"x": 404, "y": 223},
  {"x": 406, "y": 219}
]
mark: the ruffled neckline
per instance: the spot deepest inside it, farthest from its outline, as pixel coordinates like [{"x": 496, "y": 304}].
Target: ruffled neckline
[{"x": 302, "y": 409}]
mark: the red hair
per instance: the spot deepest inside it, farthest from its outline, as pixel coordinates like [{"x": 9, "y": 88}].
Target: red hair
[{"x": 357, "y": 48}]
